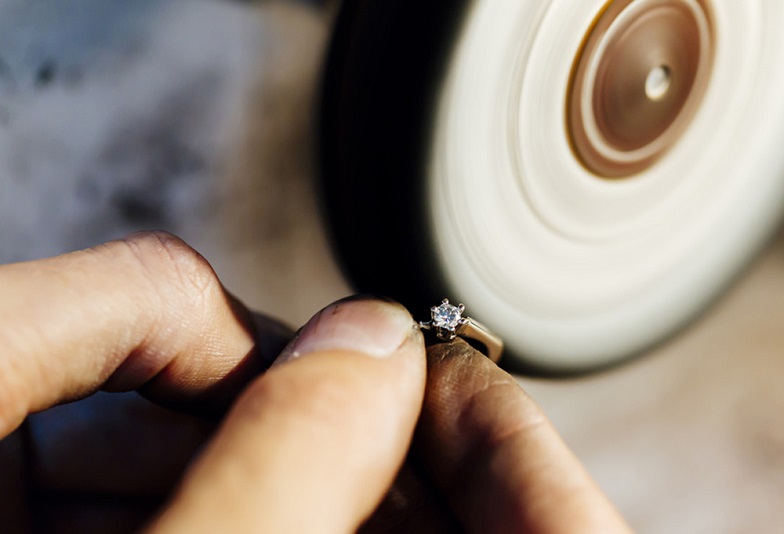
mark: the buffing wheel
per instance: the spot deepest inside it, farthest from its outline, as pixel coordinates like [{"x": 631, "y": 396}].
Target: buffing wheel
[{"x": 584, "y": 176}]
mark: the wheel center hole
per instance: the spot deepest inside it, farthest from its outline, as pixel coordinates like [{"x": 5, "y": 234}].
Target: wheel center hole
[{"x": 658, "y": 82}]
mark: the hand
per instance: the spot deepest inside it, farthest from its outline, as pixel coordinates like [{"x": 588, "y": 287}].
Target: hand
[{"x": 310, "y": 444}]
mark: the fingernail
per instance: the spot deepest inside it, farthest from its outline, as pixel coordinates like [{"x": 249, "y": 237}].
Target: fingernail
[{"x": 367, "y": 325}]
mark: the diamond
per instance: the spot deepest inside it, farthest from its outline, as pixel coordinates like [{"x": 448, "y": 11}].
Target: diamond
[{"x": 446, "y": 315}]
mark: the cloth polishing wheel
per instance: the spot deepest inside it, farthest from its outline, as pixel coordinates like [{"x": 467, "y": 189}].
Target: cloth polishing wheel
[{"x": 585, "y": 176}]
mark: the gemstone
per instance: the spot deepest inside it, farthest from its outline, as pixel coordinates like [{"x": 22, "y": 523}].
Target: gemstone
[{"x": 446, "y": 316}]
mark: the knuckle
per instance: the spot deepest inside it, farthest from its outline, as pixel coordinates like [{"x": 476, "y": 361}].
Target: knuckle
[{"x": 172, "y": 265}]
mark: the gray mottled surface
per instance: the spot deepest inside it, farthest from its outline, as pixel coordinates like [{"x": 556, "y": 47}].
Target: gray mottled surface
[
  {"x": 196, "y": 116},
  {"x": 109, "y": 122},
  {"x": 188, "y": 115}
]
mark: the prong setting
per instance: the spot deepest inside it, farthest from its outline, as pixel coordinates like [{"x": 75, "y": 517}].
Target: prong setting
[
  {"x": 448, "y": 322},
  {"x": 445, "y": 319}
]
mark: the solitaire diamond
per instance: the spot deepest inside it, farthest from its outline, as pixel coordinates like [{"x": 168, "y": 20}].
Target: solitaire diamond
[
  {"x": 446, "y": 320},
  {"x": 446, "y": 316}
]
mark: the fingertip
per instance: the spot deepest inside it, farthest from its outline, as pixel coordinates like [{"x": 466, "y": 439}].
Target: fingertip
[{"x": 366, "y": 324}]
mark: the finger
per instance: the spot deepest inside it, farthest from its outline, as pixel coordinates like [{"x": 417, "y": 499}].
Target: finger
[
  {"x": 147, "y": 311},
  {"x": 313, "y": 445},
  {"x": 497, "y": 458}
]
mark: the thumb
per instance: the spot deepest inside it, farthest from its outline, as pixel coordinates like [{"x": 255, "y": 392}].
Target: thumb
[{"x": 313, "y": 445}]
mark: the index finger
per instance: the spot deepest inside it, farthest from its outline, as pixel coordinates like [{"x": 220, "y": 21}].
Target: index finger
[
  {"x": 492, "y": 451},
  {"x": 146, "y": 312}
]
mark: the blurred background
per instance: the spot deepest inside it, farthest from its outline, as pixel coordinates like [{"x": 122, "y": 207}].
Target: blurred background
[{"x": 199, "y": 117}]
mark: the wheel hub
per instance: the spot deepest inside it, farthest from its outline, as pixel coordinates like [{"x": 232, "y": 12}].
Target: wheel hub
[{"x": 637, "y": 81}]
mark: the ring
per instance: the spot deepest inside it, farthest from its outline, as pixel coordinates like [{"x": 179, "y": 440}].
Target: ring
[{"x": 448, "y": 322}]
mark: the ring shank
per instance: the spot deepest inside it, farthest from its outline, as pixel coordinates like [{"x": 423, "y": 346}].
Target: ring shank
[{"x": 477, "y": 331}]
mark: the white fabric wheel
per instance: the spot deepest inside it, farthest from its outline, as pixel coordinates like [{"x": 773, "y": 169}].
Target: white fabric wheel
[{"x": 574, "y": 269}]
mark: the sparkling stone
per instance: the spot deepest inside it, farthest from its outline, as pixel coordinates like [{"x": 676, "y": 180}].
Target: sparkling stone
[{"x": 446, "y": 316}]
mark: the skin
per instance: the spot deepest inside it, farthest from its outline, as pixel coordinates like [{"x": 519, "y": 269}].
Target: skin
[{"x": 351, "y": 424}]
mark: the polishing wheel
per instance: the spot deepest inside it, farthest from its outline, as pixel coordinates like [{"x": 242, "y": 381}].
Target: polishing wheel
[{"x": 585, "y": 176}]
